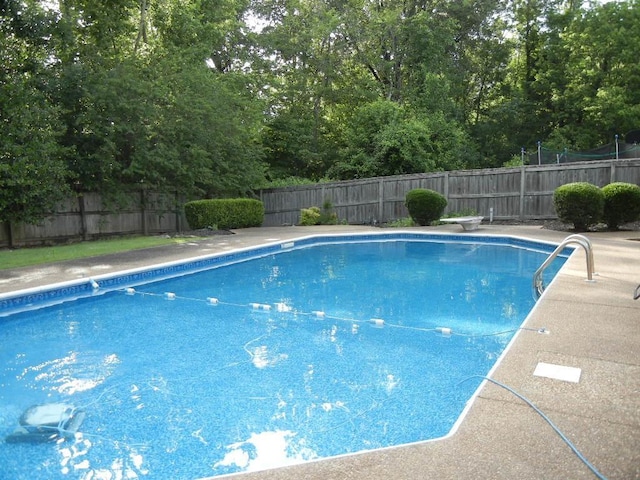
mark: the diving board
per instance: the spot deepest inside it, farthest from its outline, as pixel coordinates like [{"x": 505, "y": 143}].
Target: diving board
[{"x": 468, "y": 223}]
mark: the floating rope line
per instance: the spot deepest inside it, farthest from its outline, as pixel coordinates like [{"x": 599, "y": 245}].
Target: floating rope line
[
  {"x": 173, "y": 296},
  {"x": 281, "y": 307}
]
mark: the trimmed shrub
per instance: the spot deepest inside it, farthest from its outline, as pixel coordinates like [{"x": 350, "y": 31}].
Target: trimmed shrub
[
  {"x": 425, "y": 206},
  {"x": 579, "y": 203},
  {"x": 224, "y": 213},
  {"x": 310, "y": 216},
  {"x": 621, "y": 204}
]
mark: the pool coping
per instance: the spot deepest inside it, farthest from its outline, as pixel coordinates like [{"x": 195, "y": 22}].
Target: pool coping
[{"x": 594, "y": 326}]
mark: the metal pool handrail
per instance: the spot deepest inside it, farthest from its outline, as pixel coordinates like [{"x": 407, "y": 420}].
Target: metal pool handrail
[{"x": 581, "y": 240}]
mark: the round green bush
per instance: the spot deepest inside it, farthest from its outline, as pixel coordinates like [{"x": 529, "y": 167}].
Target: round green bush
[
  {"x": 309, "y": 216},
  {"x": 425, "y": 206},
  {"x": 621, "y": 203},
  {"x": 580, "y": 203}
]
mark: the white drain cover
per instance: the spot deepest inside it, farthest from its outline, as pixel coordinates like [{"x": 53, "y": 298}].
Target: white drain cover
[{"x": 558, "y": 372}]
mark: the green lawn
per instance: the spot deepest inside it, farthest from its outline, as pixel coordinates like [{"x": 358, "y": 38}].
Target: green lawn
[{"x": 24, "y": 257}]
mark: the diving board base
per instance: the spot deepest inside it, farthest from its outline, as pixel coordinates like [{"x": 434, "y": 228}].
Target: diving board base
[{"x": 468, "y": 223}]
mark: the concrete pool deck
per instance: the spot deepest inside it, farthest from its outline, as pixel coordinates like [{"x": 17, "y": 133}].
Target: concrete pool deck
[{"x": 594, "y": 326}]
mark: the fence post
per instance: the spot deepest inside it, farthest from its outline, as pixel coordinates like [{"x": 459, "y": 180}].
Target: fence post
[
  {"x": 446, "y": 186},
  {"x": 612, "y": 173},
  {"x": 177, "y": 208},
  {"x": 83, "y": 217},
  {"x": 539, "y": 152},
  {"x": 522, "y": 190},
  {"x": 9, "y": 232},
  {"x": 143, "y": 212},
  {"x": 381, "y": 200}
]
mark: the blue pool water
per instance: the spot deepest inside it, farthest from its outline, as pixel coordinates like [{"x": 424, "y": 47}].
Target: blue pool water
[{"x": 305, "y": 353}]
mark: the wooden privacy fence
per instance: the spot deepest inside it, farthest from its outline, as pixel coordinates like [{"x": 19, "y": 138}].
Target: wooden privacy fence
[
  {"x": 519, "y": 193},
  {"x": 87, "y": 217}
]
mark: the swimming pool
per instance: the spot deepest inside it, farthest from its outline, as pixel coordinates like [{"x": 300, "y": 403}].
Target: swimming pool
[{"x": 290, "y": 352}]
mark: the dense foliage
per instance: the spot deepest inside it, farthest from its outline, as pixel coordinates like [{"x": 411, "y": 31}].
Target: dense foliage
[
  {"x": 579, "y": 203},
  {"x": 213, "y": 99},
  {"x": 425, "y": 206},
  {"x": 310, "y": 216},
  {"x": 621, "y": 203},
  {"x": 316, "y": 216},
  {"x": 224, "y": 213}
]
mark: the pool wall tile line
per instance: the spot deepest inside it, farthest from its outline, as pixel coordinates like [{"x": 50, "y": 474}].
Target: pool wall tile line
[{"x": 24, "y": 300}]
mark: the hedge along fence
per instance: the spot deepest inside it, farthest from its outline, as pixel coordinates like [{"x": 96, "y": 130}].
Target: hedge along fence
[
  {"x": 519, "y": 193},
  {"x": 224, "y": 213}
]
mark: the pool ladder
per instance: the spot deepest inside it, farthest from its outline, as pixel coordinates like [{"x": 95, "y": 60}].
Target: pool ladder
[{"x": 581, "y": 240}]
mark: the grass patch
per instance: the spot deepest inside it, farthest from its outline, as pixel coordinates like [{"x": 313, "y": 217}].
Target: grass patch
[{"x": 25, "y": 257}]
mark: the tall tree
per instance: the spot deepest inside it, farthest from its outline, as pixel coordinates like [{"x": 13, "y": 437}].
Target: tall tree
[
  {"x": 333, "y": 58},
  {"x": 306, "y": 79},
  {"x": 32, "y": 172},
  {"x": 192, "y": 95},
  {"x": 144, "y": 92},
  {"x": 595, "y": 90},
  {"x": 559, "y": 86},
  {"x": 385, "y": 138}
]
